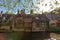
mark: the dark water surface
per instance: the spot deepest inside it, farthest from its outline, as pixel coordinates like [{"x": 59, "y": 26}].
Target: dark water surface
[{"x": 26, "y": 35}]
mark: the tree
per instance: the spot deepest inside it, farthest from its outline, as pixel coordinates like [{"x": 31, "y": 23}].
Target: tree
[
  {"x": 10, "y": 5},
  {"x": 56, "y": 3},
  {"x": 56, "y": 11}
]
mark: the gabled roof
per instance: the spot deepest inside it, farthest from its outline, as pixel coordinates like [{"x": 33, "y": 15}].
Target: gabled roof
[
  {"x": 40, "y": 18},
  {"x": 53, "y": 16},
  {"x": 43, "y": 18}
]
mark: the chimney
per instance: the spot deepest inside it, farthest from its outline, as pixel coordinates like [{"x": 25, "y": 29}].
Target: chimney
[
  {"x": 18, "y": 12},
  {"x": 31, "y": 11},
  {"x": 1, "y": 12}
]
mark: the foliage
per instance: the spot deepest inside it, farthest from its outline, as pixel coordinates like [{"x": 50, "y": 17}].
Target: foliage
[
  {"x": 45, "y": 12},
  {"x": 8, "y": 12},
  {"x": 56, "y": 11},
  {"x": 49, "y": 5},
  {"x": 54, "y": 28},
  {"x": 34, "y": 14},
  {"x": 11, "y": 5},
  {"x": 56, "y": 3}
]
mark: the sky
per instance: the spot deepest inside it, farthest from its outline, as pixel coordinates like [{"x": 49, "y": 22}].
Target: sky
[
  {"x": 37, "y": 3},
  {"x": 50, "y": 3}
]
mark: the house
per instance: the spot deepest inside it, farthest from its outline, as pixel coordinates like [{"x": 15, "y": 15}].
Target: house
[
  {"x": 27, "y": 22},
  {"x": 17, "y": 22},
  {"x": 40, "y": 23},
  {"x": 5, "y": 21},
  {"x": 54, "y": 20}
]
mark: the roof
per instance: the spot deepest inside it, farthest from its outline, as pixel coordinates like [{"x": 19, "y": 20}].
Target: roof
[
  {"x": 43, "y": 18},
  {"x": 52, "y": 16}
]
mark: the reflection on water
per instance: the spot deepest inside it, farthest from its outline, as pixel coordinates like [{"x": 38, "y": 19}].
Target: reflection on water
[{"x": 30, "y": 36}]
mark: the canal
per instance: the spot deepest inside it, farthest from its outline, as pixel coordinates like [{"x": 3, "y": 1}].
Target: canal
[{"x": 30, "y": 35}]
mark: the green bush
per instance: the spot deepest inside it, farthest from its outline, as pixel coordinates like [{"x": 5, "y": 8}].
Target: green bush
[{"x": 54, "y": 28}]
